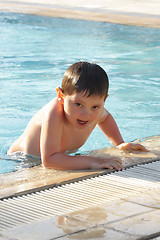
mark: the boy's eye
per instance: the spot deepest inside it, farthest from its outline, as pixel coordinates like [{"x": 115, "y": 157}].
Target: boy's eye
[
  {"x": 95, "y": 107},
  {"x": 78, "y": 104}
]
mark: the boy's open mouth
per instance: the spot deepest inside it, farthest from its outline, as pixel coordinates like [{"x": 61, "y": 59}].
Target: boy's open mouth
[{"x": 82, "y": 123}]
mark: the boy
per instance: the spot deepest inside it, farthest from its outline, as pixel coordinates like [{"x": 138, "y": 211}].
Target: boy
[{"x": 65, "y": 123}]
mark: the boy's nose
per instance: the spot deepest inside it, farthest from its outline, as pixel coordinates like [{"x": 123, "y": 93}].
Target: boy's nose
[{"x": 85, "y": 113}]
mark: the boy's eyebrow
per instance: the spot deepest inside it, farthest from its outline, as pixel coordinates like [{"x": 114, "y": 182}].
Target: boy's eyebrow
[
  {"x": 98, "y": 105},
  {"x": 77, "y": 99}
]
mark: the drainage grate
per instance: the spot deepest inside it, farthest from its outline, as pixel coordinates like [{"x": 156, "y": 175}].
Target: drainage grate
[{"x": 79, "y": 195}]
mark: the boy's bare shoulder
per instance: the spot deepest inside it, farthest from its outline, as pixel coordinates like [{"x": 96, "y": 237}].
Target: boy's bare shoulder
[{"x": 53, "y": 110}]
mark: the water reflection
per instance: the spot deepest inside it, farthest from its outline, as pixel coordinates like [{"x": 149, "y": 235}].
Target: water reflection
[{"x": 17, "y": 161}]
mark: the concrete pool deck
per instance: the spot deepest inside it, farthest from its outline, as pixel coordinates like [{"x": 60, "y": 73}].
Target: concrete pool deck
[
  {"x": 123, "y": 205},
  {"x": 133, "y": 12},
  {"x": 41, "y": 203}
]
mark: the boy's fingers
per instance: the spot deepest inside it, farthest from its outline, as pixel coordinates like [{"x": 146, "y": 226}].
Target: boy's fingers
[
  {"x": 118, "y": 167},
  {"x": 115, "y": 159},
  {"x": 114, "y": 164},
  {"x": 132, "y": 146},
  {"x": 139, "y": 147},
  {"x": 118, "y": 160}
]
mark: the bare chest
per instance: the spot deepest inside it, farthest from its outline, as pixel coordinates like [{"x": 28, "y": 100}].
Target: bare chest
[{"x": 74, "y": 139}]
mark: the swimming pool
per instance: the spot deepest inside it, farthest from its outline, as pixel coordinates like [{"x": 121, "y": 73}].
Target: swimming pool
[{"x": 35, "y": 52}]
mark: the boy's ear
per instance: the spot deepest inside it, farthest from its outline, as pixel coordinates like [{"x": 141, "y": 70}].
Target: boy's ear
[
  {"x": 106, "y": 97},
  {"x": 60, "y": 95}
]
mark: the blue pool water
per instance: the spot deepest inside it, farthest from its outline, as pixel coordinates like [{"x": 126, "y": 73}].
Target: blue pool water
[{"x": 35, "y": 52}]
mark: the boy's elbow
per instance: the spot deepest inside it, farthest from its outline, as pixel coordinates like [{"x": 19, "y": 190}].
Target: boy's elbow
[
  {"x": 49, "y": 161},
  {"x": 46, "y": 161},
  {"x": 45, "y": 164}
]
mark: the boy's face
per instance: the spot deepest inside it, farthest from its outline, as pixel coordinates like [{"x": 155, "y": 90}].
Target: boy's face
[{"x": 83, "y": 111}]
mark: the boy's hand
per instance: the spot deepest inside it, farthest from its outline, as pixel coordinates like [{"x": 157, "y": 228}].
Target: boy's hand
[
  {"x": 132, "y": 146},
  {"x": 110, "y": 163}
]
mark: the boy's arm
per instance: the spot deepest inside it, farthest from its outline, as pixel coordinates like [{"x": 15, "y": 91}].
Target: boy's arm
[
  {"x": 110, "y": 129},
  {"x": 62, "y": 161}
]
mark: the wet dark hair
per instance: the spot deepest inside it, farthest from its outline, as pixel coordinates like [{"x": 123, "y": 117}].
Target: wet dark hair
[{"x": 85, "y": 77}]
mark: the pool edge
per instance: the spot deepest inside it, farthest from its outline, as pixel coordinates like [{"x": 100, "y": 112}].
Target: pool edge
[{"x": 110, "y": 16}]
